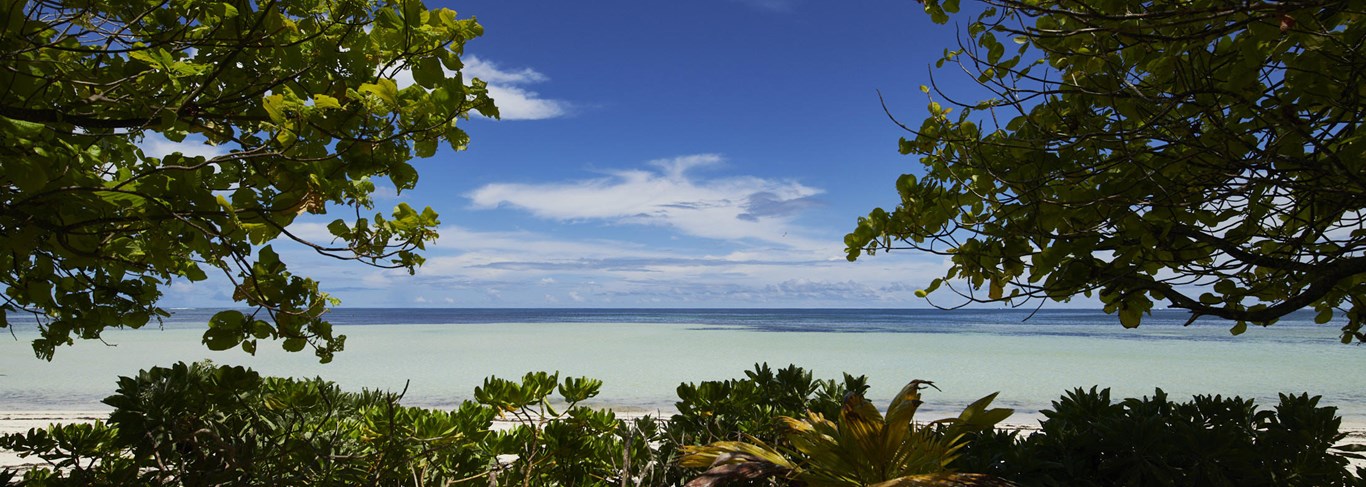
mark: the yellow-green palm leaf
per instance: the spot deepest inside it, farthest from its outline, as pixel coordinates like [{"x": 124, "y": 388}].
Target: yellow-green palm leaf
[{"x": 863, "y": 449}]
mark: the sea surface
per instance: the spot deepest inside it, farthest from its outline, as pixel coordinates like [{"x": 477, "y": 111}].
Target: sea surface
[{"x": 440, "y": 355}]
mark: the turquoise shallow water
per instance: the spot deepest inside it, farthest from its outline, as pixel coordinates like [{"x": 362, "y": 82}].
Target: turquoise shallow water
[{"x": 642, "y": 355}]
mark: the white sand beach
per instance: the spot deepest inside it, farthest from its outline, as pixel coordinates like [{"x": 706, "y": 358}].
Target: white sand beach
[{"x": 641, "y": 363}]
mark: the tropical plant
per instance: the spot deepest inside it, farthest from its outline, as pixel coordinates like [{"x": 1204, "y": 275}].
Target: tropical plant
[
  {"x": 1087, "y": 439},
  {"x": 218, "y": 425},
  {"x": 281, "y": 108},
  {"x": 571, "y": 445},
  {"x": 862, "y": 449},
  {"x": 1205, "y": 153},
  {"x": 750, "y": 407}
]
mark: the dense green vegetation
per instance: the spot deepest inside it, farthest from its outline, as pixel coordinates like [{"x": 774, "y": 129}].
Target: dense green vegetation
[
  {"x": 203, "y": 424},
  {"x": 1201, "y": 153},
  {"x": 296, "y": 100},
  {"x": 1087, "y": 439},
  {"x": 1135, "y": 155}
]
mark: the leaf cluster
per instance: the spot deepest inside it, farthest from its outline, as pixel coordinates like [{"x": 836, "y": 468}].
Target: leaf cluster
[
  {"x": 1205, "y": 153},
  {"x": 1087, "y": 439},
  {"x": 202, "y": 424},
  {"x": 218, "y": 425},
  {"x": 750, "y": 407},
  {"x": 299, "y": 112}
]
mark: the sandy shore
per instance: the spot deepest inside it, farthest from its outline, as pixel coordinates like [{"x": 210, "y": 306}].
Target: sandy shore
[{"x": 22, "y": 421}]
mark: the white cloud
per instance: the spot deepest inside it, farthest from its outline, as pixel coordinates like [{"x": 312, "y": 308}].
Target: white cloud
[
  {"x": 490, "y": 72},
  {"x": 155, "y": 145},
  {"x": 476, "y": 266},
  {"x": 518, "y": 104},
  {"x": 667, "y": 194},
  {"x": 514, "y": 101},
  {"x": 748, "y": 262}
]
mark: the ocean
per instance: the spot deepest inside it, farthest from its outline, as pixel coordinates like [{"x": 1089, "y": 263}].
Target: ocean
[{"x": 440, "y": 355}]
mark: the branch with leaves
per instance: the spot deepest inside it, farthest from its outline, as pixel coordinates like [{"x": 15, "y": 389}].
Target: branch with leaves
[
  {"x": 298, "y": 99},
  {"x": 1205, "y": 154}
]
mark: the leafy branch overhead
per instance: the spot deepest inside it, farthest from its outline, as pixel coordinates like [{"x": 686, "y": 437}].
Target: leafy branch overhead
[
  {"x": 296, "y": 97},
  {"x": 1205, "y": 154}
]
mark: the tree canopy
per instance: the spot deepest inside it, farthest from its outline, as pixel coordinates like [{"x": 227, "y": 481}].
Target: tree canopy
[
  {"x": 299, "y": 102},
  {"x": 1202, "y": 153}
]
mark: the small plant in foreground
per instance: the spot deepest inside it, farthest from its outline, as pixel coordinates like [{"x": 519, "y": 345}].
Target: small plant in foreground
[{"x": 863, "y": 449}]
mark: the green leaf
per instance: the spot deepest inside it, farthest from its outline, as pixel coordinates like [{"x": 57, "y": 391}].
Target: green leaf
[
  {"x": 260, "y": 233},
  {"x": 261, "y": 329},
  {"x": 425, "y": 148},
  {"x": 428, "y": 72},
  {"x": 1130, "y": 316},
  {"x": 194, "y": 273},
  {"x": 226, "y": 10},
  {"x": 339, "y": 228},
  {"x": 385, "y": 89},
  {"x": 21, "y": 128},
  {"x": 388, "y": 19},
  {"x": 403, "y": 175},
  {"x": 227, "y": 320},
  {"x": 275, "y": 108},
  {"x": 325, "y": 102},
  {"x": 412, "y": 13},
  {"x": 293, "y": 344}
]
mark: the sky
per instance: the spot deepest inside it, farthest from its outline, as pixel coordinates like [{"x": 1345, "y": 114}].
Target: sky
[{"x": 709, "y": 153}]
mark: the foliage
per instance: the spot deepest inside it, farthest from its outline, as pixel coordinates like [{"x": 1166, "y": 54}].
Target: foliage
[
  {"x": 1088, "y": 440},
  {"x": 862, "y": 449},
  {"x": 1147, "y": 155},
  {"x": 212, "y": 425},
  {"x": 750, "y": 407},
  {"x": 579, "y": 446},
  {"x": 206, "y": 425},
  {"x": 295, "y": 98}
]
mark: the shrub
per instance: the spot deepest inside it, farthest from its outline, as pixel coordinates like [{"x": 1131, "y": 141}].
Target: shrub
[
  {"x": 202, "y": 424},
  {"x": 205, "y": 425},
  {"x": 1089, "y": 440}
]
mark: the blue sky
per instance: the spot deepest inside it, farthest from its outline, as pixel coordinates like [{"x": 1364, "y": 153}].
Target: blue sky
[{"x": 710, "y": 153}]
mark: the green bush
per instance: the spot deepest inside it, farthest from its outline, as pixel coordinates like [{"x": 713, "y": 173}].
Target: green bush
[
  {"x": 734, "y": 408},
  {"x": 202, "y": 424},
  {"x": 746, "y": 408},
  {"x": 205, "y": 425},
  {"x": 1089, "y": 440},
  {"x": 571, "y": 445},
  {"x": 212, "y": 425}
]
